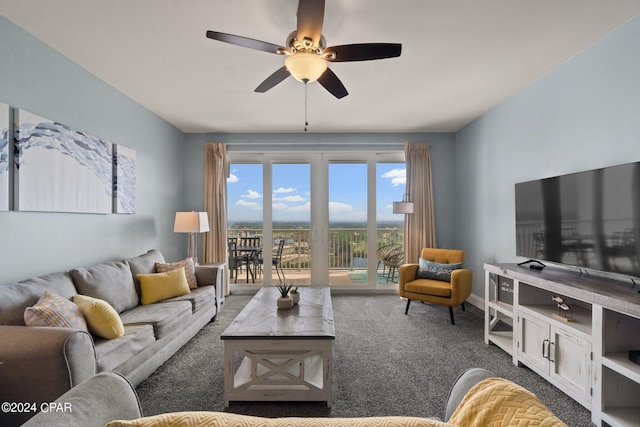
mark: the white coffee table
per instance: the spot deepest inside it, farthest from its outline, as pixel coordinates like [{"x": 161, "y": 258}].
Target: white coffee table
[{"x": 281, "y": 355}]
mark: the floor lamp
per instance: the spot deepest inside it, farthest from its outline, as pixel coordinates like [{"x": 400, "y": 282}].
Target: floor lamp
[{"x": 192, "y": 223}]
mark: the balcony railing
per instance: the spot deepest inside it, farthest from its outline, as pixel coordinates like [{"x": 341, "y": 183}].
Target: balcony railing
[{"x": 347, "y": 246}]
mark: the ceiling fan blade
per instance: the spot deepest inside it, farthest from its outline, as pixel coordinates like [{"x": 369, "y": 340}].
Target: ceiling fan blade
[
  {"x": 363, "y": 51},
  {"x": 275, "y": 78},
  {"x": 310, "y": 19},
  {"x": 244, "y": 41},
  {"x": 332, "y": 83}
]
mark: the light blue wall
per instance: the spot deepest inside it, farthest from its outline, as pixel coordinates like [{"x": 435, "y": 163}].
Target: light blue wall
[
  {"x": 442, "y": 159},
  {"x": 40, "y": 80},
  {"x": 583, "y": 115}
]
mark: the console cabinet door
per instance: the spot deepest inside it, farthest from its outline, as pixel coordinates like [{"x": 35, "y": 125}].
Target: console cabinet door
[
  {"x": 533, "y": 343},
  {"x": 570, "y": 359}
]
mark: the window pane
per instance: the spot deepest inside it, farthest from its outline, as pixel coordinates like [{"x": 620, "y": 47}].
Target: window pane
[
  {"x": 390, "y": 187},
  {"x": 244, "y": 194},
  {"x": 291, "y": 222},
  {"x": 348, "y": 220}
]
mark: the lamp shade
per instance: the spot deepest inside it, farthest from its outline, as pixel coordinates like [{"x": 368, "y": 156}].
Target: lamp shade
[
  {"x": 402, "y": 207},
  {"x": 305, "y": 66},
  {"x": 191, "y": 222}
]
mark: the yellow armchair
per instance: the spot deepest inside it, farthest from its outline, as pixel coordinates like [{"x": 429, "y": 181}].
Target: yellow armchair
[{"x": 451, "y": 293}]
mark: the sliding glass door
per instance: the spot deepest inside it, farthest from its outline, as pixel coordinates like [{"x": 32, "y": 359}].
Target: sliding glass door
[{"x": 323, "y": 207}]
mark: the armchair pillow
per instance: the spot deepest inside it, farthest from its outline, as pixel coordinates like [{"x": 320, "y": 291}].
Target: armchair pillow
[
  {"x": 103, "y": 320},
  {"x": 160, "y": 286},
  {"x": 436, "y": 271},
  {"x": 54, "y": 310}
]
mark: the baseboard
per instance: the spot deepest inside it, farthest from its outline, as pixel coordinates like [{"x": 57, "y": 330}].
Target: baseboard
[{"x": 476, "y": 301}]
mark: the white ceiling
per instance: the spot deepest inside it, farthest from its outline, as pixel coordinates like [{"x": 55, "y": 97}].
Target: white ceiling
[{"x": 460, "y": 58}]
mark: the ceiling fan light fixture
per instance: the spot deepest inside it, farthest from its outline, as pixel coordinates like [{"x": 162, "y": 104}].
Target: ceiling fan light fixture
[{"x": 305, "y": 66}]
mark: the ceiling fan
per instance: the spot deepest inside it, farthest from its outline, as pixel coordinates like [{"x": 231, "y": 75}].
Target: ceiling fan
[{"x": 307, "y": 54}]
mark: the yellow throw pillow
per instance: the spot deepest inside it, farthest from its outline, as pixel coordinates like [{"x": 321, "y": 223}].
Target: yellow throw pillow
[
  {"x": 189, "y": 270},
  {"x": 54, "y": 310},
  {"x": 159, "y": 286},
  {"x": 103, "y": 320}
]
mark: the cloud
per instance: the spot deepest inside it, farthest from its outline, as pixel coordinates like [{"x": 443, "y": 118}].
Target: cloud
[
  {"x": 252, "y": 195},
  {"x": 293, "y": 199},
  {"x": 250, "y": 205},
  {"x": 280, "y": 206},
  {"x": 232, "y": 178},
  {"x": 339, "y": 207},
  {"x": 303, "y": 208},
  {"x": 397, "y": 176},
  {"x": 284, "y": 190}
]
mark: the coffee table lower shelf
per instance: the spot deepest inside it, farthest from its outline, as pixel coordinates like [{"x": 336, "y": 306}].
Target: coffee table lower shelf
[{"x": 278, "y": 370}]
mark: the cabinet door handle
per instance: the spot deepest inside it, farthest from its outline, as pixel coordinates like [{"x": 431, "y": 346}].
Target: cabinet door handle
[
  {"x": 544, "y": 346},
  {"x": 549, "y": 351}
]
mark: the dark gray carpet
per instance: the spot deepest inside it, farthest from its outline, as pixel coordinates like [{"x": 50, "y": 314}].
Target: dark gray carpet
[{"x": 384, "y": 363}]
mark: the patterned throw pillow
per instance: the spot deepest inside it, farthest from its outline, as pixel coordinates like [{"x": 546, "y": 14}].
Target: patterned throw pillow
[
  {"x": 54, "y": 310},
  {"x": 435, "y": 270},
  {"x": 189, "y": 270},
  {"x": 160, "y": 286},
  {"x": 103, "y": 320}
]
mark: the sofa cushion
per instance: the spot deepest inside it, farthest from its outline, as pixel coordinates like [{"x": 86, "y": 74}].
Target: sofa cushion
[
  {"x": 103, "y": 320},
  {"x": 163, "y": 317},
  {"x": 226, "y": 419},
  {"x": 199, "y": 298},
  {"x": 159, "y": 286},
  {"x": 16, "y": 297},
  {"x": 112, "y": 353},
  {"x": 144, "y": 264},
  {"x": 189, "y": 270},
  {"x": 54, "y": 310},
  {"x": 111, "y": 281},
  {"x": 435, "y": 270}
]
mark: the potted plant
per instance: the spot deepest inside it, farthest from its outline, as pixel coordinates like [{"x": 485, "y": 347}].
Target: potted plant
[
  {"x": 284, "y": 301},
  {"x": 295, "y": 295}
]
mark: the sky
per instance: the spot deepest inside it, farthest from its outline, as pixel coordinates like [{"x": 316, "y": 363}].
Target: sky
[{"x": 291, "y": 194}]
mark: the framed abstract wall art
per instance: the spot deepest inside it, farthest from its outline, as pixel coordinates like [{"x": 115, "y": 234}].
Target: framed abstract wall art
[
  {"x": 59, "y": 169},
  {"x": 124, "y": 180},
  {"x": 5, "y": 140}
]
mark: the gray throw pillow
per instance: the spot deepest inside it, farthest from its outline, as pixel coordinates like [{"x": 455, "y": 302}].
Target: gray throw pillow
[
  {"x": 435, "y": 270},
  {"x": 110, "y": 281}
]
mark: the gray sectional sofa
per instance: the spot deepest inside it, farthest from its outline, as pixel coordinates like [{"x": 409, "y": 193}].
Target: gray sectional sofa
[{"x": 38, "y": 364}]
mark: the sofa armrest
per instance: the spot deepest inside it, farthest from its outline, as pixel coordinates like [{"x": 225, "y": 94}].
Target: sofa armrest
[
  {"x": 40, "y": 364},
  {"x": 207, "y": 275},
  {"x": 461, "y": 387},
  {"x": 105, "y": 397}
]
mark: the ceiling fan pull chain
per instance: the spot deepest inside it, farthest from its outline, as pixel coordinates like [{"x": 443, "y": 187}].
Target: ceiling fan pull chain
[{"x": 306, "y": 123}]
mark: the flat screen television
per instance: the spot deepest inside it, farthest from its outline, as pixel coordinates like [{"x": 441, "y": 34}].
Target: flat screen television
[{"x": 589, "y": 220}]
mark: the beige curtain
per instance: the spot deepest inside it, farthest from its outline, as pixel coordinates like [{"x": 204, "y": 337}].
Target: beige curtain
[
  {"x": 419, "y": 227},
  {"x": 215, "y": 203}
]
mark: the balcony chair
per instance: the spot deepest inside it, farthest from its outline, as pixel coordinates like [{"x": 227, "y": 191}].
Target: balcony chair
[
  {"x": 254, "y": 255},
  {"x": 238, "y": 260},
  {"x": 276, "y": 260},
  {"x": 439, "y": 278},
  {"x": 393, "y": 260},
  {"x": 382, "y": 252}
]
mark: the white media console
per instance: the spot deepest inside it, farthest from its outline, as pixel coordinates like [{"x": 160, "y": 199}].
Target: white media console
[{"x": 583, "y": 351}]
